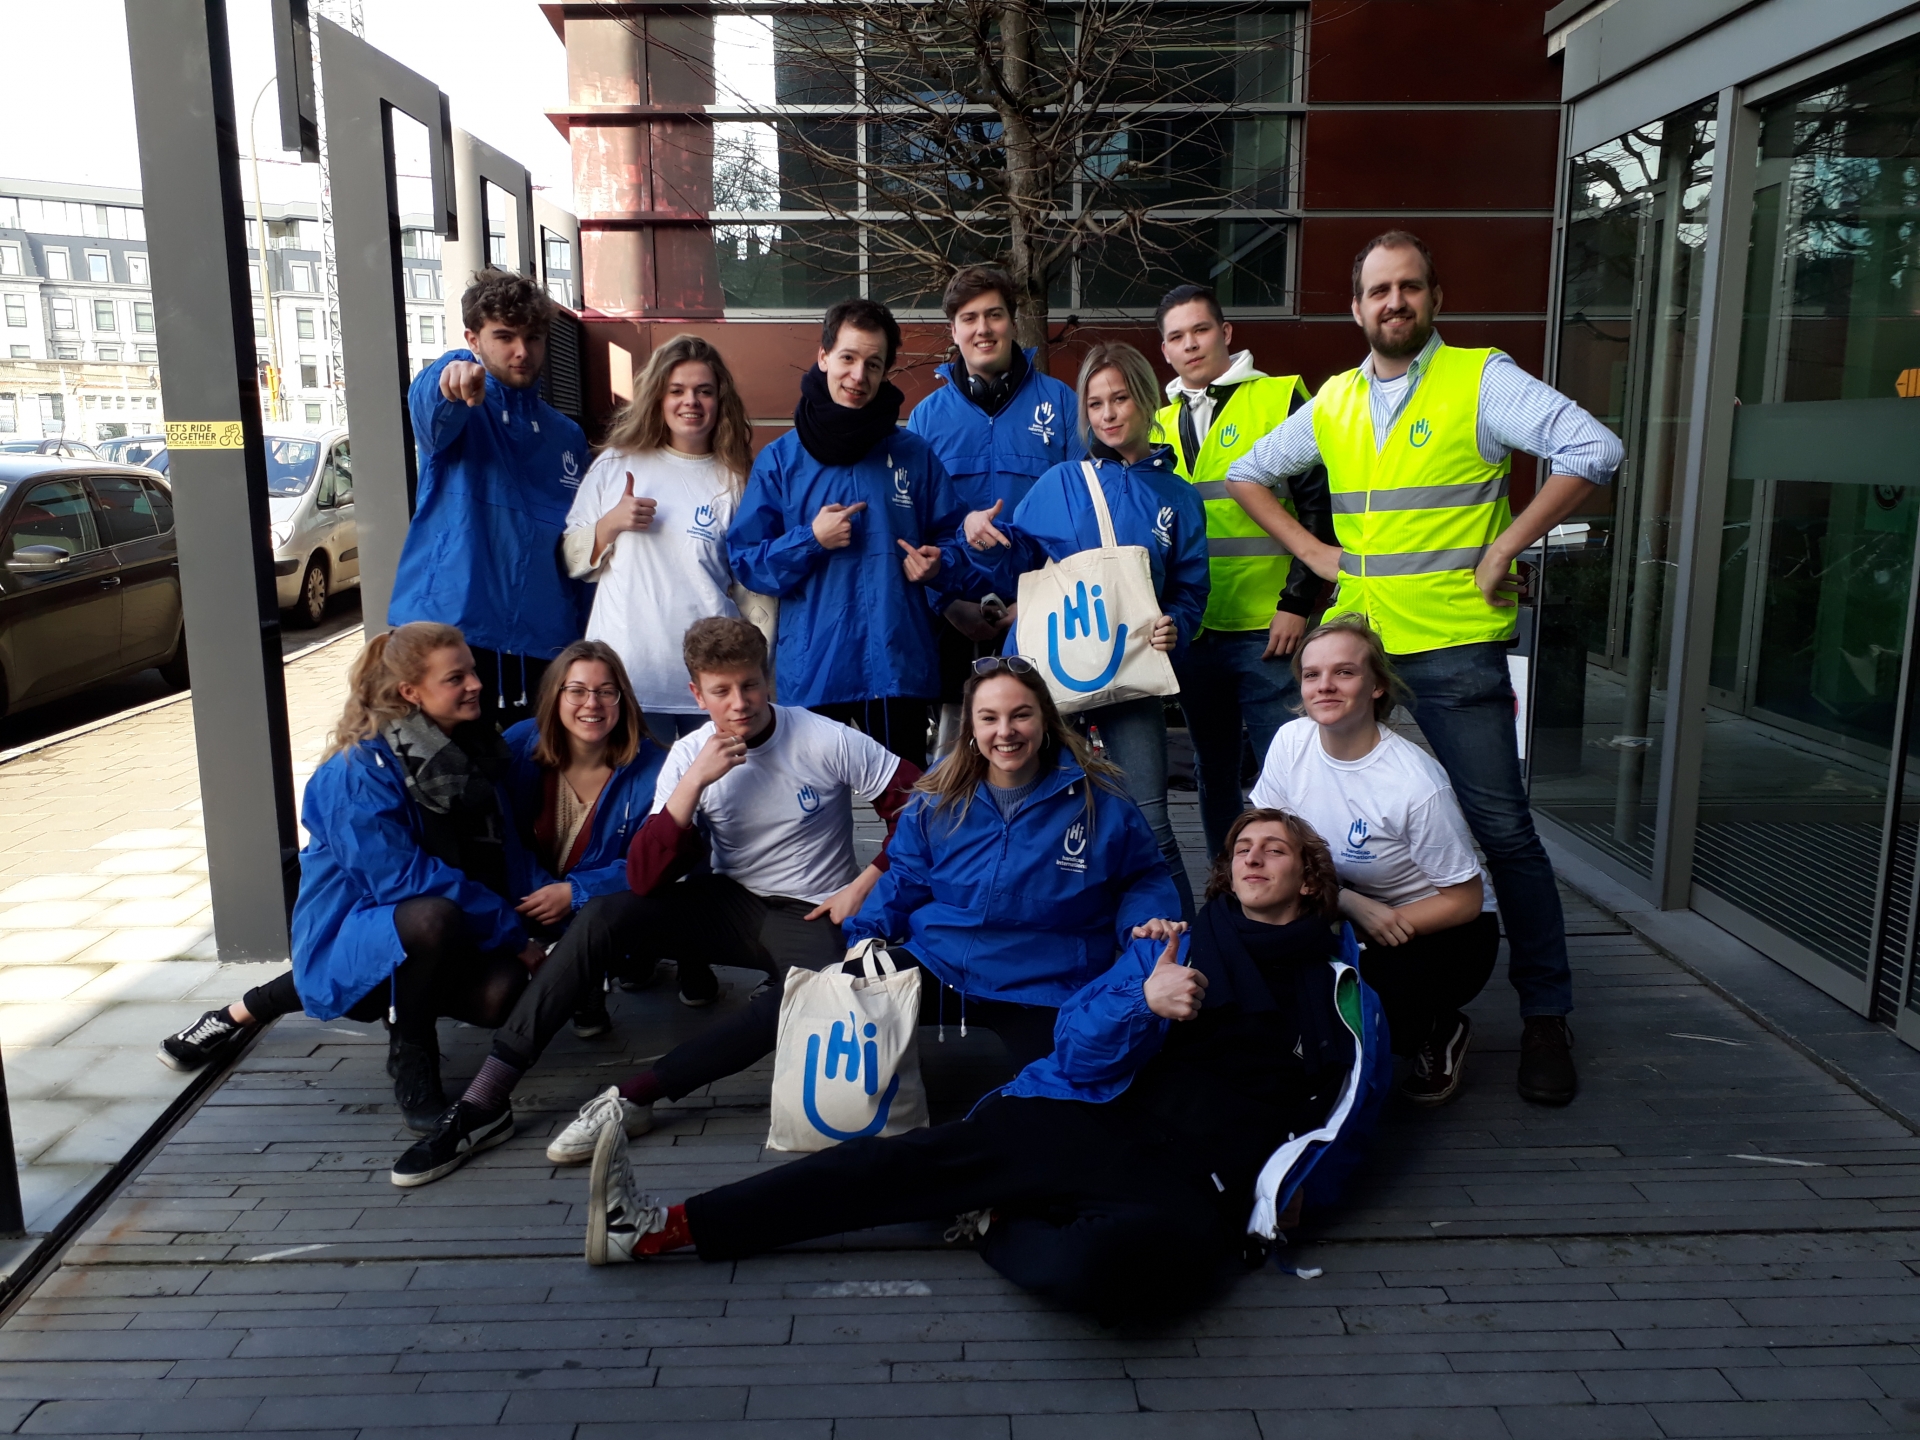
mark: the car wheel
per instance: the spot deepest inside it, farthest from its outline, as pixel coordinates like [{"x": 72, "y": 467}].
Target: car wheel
[
  {"x": 174, "y": 670},
  {"x": 311, "y": 607}
]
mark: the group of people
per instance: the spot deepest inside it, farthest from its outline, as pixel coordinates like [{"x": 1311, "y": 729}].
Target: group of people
[{"x": 513, "y": 818}]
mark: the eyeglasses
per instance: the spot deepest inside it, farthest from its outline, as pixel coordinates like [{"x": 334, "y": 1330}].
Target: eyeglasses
[
  {"x": 993, "y": 664},
  {"x": 577, "y": 694}
]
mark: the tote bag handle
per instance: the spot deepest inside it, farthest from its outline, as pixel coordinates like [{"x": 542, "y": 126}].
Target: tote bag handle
[{"x": 1108, "y": 541}]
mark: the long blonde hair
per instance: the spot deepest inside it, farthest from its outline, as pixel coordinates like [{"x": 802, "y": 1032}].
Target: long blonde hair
[
  {"x": 387, "y": 662},
  {"x": 642, "y": 425}
]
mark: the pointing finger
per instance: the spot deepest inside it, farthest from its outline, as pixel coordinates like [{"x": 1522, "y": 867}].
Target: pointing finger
[{"x": 856, "y": 507}]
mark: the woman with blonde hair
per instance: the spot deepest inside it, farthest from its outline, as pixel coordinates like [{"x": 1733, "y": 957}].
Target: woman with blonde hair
[
  {"x": 410, "y": 876},
  {"x": 649, "y": 523},
  {"x": 1153, "y": 508}
]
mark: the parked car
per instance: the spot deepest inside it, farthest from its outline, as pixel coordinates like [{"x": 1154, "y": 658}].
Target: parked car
[
  {"x": 316, "y": 544},
  {"x": 63, "y": 449},
  {"x": 89, "y": 580},
  {"x": 147, "y": 450}
]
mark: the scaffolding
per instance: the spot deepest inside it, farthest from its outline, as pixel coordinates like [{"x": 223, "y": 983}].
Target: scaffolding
[{"x": 349, "y": 15}]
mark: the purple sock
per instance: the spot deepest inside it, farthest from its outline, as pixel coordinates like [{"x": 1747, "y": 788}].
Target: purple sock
[
  {"x": 492, "y": 1088},
  {"x": 642, "y": 1089}
]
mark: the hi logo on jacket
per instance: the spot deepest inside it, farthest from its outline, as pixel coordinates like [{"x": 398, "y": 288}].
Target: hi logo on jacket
[
  {"x": 902, "y": 484},
  {"x": 1073, "y": 848},
  {"x": 1044, "y": 420},
  {"x": 1076, "y": 631},
  {"x": 859, "y": 1087},
  {"x": 1163, "y": 527}
]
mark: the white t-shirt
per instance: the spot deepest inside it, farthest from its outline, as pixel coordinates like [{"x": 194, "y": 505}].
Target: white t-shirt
[
  {"x": 1390, "y": 817},
  {"x": 782, "y": 823},
  {"x": 654, "y": 583}
]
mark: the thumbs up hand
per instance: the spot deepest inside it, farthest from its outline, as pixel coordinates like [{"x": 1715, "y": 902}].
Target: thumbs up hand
[
  {"x": 630, "y": 511},
  {"x": 980, "y": 529},
  {"x": 1174, "y": 991}
]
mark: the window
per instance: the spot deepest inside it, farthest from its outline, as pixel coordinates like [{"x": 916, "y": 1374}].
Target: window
[
  {"x": 20, "y": 352},
  {"x": 309, "y": 375},
  {"x": 57, "y": 266},
  {"x": 9, "y": 414},
  {"x": 53, "y": 411},
  {"x": 253, "y": 279},
  {"x": 559, "y": 253},
  {"x": 284, "y": 234},
  {"x": 423, "y": 284},
  {"x": 260, "y": 324},
  {"x": 137, "y": 270},
  {"x": 300, "y": 275},
  {"x": 109, "y": 353},
  {"x": 9, "y": 259},
  {"x": 126, "y": 509},
  {"x": 103, "y": 319},
  {"x": 313, "y": 414},
  {"x": 158, "y": 498},
  {"x": 56, "y": 513},
  {"x": 426, "y": 329},
  {"x": 143, "y": 317},
  {"x": 16, "y": 312},
  {"x": 99, "y": 267},
  {"x": 61, "y": 312},
  {"x": 303, "y": 324},
  {"x": 66, "y": 352},
  {"x": 150, "y": 400}
]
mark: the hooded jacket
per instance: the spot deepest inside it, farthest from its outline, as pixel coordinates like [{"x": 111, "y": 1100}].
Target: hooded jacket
[
  {"x": 618, "y": 814},
  {"x": 1151, "y": 507},
  {"x": 483, "y": 551},
  {"x": 851, "y": 625},
  {"x": 998, "y": 457},
  {"x": 1026, "y": 910},
  {"x": 364, "y": 855}
]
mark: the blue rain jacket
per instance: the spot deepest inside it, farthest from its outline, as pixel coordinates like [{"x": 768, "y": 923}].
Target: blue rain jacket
[
  {"x": 998, "y": 457},
  {"x": 1027, "y": 910},
  {"x": 851, "y": 626},
  {"x": 1106, "y": 1033},
  {"x": 483, "y": 552},
  {"x": 618, "y": 813},
  {"x": 363, "y": 857},
  {"x": 1151, "y": 506}
]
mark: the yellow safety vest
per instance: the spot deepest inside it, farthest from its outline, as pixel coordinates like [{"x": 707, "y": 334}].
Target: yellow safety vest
[
  {"x": 1247, "y": 567},
  {"x": 1415, "y": 515}
]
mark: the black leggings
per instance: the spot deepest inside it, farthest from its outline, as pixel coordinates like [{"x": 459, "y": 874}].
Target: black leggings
[
  {"x": 444, "y": 972},
  {"x": 1085, "y": 1212},
  {"x": 1427, "y": 979},
  {"x": 750, "y": 1035}
]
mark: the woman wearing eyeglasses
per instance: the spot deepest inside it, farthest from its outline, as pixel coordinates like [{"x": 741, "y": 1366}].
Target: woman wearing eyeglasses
[{"x": 1017, "y": 873}]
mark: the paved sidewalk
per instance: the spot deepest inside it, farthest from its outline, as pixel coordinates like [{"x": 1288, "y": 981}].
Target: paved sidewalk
[
  {"x": 1717, "y": 1238},
  {"x": 106, "y": 940}
]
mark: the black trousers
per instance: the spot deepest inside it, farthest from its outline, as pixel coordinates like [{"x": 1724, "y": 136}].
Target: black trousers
[
  {"x": 597, "y": 942},
  {"x": 1427, "y": 979},
  {"x": 751, "y": 1034},
  {"x": 1085, "y": 1213},
  {"x": 510, "y": 684},
  {"x": 897, "y": 723}
]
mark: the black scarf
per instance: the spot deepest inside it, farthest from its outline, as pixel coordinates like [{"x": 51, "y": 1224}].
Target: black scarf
[
  {"x": 452, "y": 779},
  {"x": 1265, "y": 968},
  {"x": 992, "y": 392},
  {"x": 835, "y": 435}
]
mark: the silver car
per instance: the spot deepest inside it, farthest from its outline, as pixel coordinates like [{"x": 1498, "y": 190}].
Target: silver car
[{"x": 316, "y": 545}]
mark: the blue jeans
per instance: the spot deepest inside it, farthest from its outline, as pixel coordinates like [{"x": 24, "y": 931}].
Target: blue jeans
[
  {"x": 1134, "y": 733},
  {"x": 1463, "y": 702},
  {"x": 1224, "y": 684}
]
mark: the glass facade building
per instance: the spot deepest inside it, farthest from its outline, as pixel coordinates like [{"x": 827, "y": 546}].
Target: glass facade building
[{"x": 1723, "y": 710}]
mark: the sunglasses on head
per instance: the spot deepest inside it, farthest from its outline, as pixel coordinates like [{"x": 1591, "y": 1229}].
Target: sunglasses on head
[{"x": 993, "y": 664}]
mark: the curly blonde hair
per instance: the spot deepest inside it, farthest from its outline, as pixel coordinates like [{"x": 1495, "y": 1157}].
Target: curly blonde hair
[
  {"x": 642, "y": 425},
  {"x": 399, "y": 657}
]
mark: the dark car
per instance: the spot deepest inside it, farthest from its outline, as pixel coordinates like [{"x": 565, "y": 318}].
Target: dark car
[
  {"x": 147, "y": 450},
  {"x": 89, "y": 581},
  {"x": 62, "y": 449}
]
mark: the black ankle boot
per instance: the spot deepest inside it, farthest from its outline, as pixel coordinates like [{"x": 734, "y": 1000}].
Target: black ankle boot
[{"x": 416, "y": 1084}]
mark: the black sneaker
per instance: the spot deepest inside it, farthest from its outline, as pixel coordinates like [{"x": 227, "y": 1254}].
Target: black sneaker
[
  {"x": 416, "y": 1084},
  {"x": 461, "y": 1134},
  {"x": 205, "y": 1038},
  {"x": 1546, "y": 1061},
  {"x": 640, "y": 976},
  {"x": 591, "y": 1019},
  {"x": 699, "y": 986},
  {"x": 1441, "y": 1063}
]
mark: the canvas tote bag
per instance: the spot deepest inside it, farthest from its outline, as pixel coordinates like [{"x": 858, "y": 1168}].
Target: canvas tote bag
[
  {"x": 1086, "y": 621},
  {"x": 847, "y": 1064}
]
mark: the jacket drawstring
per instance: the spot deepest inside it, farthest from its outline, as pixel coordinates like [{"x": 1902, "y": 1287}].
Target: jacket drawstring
[
  {"x": 500, "y": 678},
  {"x": 523, "y": 682}
]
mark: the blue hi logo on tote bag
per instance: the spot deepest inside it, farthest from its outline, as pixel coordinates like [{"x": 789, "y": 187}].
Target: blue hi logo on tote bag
[
  {"x": 1072, "y": 618},
  {"x": 843, "y": 1045}
]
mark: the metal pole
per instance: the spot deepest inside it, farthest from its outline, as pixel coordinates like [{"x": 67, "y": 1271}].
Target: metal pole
[
  {"x": 203, "y": 316},
  {"x": 266, "y": 278},
  {"x": 13, "y": 1221}
]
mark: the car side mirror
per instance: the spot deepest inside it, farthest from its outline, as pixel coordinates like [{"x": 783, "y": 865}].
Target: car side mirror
[{"x": 31, "y": 559}]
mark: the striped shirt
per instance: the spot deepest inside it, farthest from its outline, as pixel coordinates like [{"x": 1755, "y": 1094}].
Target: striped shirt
[{"x": 1517, "y": 412}]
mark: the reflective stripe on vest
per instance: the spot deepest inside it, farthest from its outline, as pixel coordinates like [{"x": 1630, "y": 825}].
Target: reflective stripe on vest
[
  {"x": 1415, "y": 514},
  {"x": 1246, "y": 566}
]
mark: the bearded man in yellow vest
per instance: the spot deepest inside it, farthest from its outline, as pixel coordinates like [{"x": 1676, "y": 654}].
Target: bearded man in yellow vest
[
  {"x": 1236, "y": 677},
  {"x": 1416, "y": 443}
]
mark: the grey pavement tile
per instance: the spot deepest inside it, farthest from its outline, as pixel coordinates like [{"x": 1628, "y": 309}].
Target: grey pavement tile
[
  {"x": 821, "y": 1429},
  {"x": 1579, "y": 1422},
  {"x": 464, "y": 1410},
  {"x": 1896, "y": 1382},
  {"x": 799, "y": 1402},
  {"x": 1805, "y": 1382},
  {"x": 1633, "y": 1387},
  {"x": 100, "y": 1417},
  {"x": 1368, "y": 1391},
  {"x": 929, "y": 1427},
  {"x": 627, "y": 1403},
  {"x": 260, "y": 1386},
  {"x": 1217, "y": 1425},
  {"x": 526, "y": 1374},
  {"x": 1479, "y": 1422},
  {"x": 1770, "y": 1417}
]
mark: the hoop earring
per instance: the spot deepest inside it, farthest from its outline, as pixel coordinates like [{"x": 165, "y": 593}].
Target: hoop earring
[{"x": 971, "y": 745}]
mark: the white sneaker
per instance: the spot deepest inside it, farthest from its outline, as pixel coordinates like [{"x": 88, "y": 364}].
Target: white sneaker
[
  {"x": 574, "y": 1145},
  {"x": 617, "y": 1214}
]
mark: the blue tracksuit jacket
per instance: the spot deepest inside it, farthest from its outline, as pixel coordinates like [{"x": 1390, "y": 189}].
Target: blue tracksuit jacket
[
  {"x": 618, "y": 813},
  {"x": 998, "y": 457},
  {"x": 483, "y": 552},
  {"x": 1027, "y": 910},
  {"x": 1151, "y": 506},
  {"x": 363, "y": 857},
  {"x": 851, "y": 627}
]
